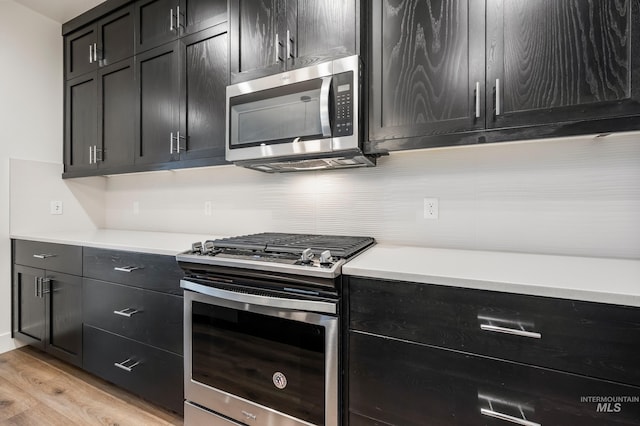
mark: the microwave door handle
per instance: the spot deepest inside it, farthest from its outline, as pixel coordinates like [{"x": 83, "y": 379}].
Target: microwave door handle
[{"x": 324, "y": 106}]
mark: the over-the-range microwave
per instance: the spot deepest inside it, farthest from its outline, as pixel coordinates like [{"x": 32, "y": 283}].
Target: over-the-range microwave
[{"x": 303, "y": 119}]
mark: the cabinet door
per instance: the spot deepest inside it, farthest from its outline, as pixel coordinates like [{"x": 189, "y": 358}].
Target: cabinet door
[
  {"x": 255, "y": 46},
  {"x": 198, "y": 15},
  {"x": 203, "y": 85},
  {"x": 28, "y": 306},
  {"x": 156, "y": 23},
  {"x": 64, "y": 313},
  {"x": 319, "y": 30},
  {"x": 80, "y": 122},
  {"x": 116, "y": 109},
  {"x": 399, "y": 383},
  {"x": 115, "y": 37},
  {"x": 157, "y": 75},
  {"x": 80, "y": 56},
  {"x": 427, "y": 68},
  {"x": 551, "y": 61}
]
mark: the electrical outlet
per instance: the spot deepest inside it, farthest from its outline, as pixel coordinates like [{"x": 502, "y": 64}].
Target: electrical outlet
[
  {"x": 430, "y": 208},
  {"x": 56, "y": 207},
  {"x": 207, "y": 208},
  {"x": 136, "y": 208}
]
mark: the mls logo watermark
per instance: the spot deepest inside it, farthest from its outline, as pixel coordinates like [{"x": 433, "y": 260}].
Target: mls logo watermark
[{"x": 610, "y": 404}]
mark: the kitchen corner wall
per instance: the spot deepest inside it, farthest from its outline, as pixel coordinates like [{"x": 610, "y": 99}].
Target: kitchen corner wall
[
  {"x": 578, "y": 196},
  {"x": 30, "y": 116}
]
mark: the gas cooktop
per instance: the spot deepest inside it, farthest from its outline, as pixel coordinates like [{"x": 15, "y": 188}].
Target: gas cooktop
[{"x": 302, "y": 254}]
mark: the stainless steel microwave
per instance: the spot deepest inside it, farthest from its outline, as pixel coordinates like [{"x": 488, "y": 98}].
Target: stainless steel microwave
[{"x": 304, "y": 119}]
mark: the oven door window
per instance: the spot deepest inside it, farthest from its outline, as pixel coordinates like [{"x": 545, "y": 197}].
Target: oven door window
[
  {"x": 275, "y": 362},
  {"x": 277, "y": 115}
]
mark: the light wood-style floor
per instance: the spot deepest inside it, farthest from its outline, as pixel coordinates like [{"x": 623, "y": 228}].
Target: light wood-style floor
[{"x": 37, "y": 389}]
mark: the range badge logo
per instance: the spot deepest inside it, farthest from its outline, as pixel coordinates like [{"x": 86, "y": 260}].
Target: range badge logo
[{"x": 279, "y": 380}]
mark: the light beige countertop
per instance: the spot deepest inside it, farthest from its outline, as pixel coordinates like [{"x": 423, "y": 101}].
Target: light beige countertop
[
  {"x": 167, "y": 243},
  {"x": 615, "y": 281}
]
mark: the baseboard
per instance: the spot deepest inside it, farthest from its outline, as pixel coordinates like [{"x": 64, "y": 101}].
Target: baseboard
[{"x": 7, "y": 343}]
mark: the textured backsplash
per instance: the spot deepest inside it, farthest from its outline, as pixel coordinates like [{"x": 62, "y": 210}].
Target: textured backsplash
[{"x": 576, "y": 196}]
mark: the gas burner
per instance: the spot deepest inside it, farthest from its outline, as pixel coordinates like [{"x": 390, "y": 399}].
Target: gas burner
[{"x": 300, "y": 254}]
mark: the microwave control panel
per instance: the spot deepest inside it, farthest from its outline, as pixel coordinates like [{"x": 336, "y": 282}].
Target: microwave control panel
[{"x": 343, "y": 104}]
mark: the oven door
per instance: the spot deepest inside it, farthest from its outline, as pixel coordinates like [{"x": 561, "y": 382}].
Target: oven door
[{"x": 250, "y": 358}]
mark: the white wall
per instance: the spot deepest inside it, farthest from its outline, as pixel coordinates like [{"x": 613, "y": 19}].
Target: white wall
[
  {"x": 577, "y": 196},
  {"x": 30, "y": 115}
]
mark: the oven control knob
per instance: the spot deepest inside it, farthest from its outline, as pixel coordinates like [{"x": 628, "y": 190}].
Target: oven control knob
[
  {"x": 208, "y": 247},
  {"x": 325, "y": 257},
  {"x": 196, "y": 247},
  {"x": 307, "y": 256}
]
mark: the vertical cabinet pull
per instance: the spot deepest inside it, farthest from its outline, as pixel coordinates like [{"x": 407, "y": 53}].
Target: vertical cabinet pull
[
  {"x": 90, "y": 155},
  {"x": 91, "y": 53},
  {"x": 95, "y": 154},
  {"x": 95, "y": 52},
  {"x": 477, "y": 98},
  {"x": 171, "y": 27},
  {"x": 277, "y": 57},
  {"x": 123, "y": 365},
  {"x": 177, "y": 18},
  {"x": 37, "y": 286},
  {"x": 178, "y": 137},
  {"x": 289, "y": 45},
  {"x": 171, "y": 143},
  {"x": 498, "y": 109},
  {"x": 507, "y": 418}
]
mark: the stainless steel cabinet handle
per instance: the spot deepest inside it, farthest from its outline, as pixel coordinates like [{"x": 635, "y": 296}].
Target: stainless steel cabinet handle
[
  {"x": 477, "y": 99},
  {"x": 171, "y": 143},
  {"x": 498, "y": 112},
  {"x": 90, "y": 155},
  {"x": 95, "y": 52},
  {"x": 127, "y": 312},
  {"x": 91, "y": 53},
  {"x": 277, "y": 58},
  {"x": 95, "y": 154},
  {"x": 177, "y": 18},
  {"x": 126, "y": 268},
  {"x": 44, "y": 290},
  {"x": 508, "y": 418},
  {"x": 513, "y": 331},
  {"x": 37, "y": 286},
  {"x": 43, "y": 256},
  {"x": 178, "y": 137},
  {"x": 288, "y": 44},
  {"x": 128, "y": 368}
]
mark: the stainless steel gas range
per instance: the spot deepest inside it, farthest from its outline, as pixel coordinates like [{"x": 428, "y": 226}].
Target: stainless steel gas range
[{"x": 261, "y": 328}]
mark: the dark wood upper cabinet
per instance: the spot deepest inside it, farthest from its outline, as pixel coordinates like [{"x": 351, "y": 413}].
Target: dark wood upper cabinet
[
  {"x": 116, "y": 112},
  {"x": 162, "y": 21},
  {"x": 269, "y": 36},
  {"x": 107, "y": 41},
  {"x": 80, "y": 132},
  {"x": 158, "y": 103},
  {"x": 551, "y": 61},
  {"x": 204, "y": 78},
  {"x": 427, "y": 68}
]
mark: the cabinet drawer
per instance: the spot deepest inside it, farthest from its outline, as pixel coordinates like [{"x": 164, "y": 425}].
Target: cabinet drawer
[
  {"x": 152, "y": 271},
  {"x": 147, "y": 316},
  {"x": 402, "y": 383},
  {"x": 49, "y": 256},
  {"x": 152, "y": 373},
  {"x": 593, "y": 339}
]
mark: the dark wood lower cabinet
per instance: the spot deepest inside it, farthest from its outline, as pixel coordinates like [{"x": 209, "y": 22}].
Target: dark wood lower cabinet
[
  {"x": 400, "y": 383},
  {"x": 150, "y": 372}
]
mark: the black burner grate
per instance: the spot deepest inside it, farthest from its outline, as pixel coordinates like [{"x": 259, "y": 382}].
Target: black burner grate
[{"x": 274, "y": 242}]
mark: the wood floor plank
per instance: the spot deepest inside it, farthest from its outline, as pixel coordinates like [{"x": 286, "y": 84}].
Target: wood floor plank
[{"x": 71, "y": 396}]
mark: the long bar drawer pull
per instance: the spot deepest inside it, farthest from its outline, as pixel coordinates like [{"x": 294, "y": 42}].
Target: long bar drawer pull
[
  {"x": 507, "y": 418},
  {"x": 43, "y": 256},
  {"x": 128, "y": 368},
  {"x": 126, "y": 268},
  {"x": 513, "y": 331},
  {"x": 127, "y": 312}
]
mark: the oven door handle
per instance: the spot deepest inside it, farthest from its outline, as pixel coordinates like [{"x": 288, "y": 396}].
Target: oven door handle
[
  {"x": 258, "y": 300},
  {"x": 325, "y": 122}
]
